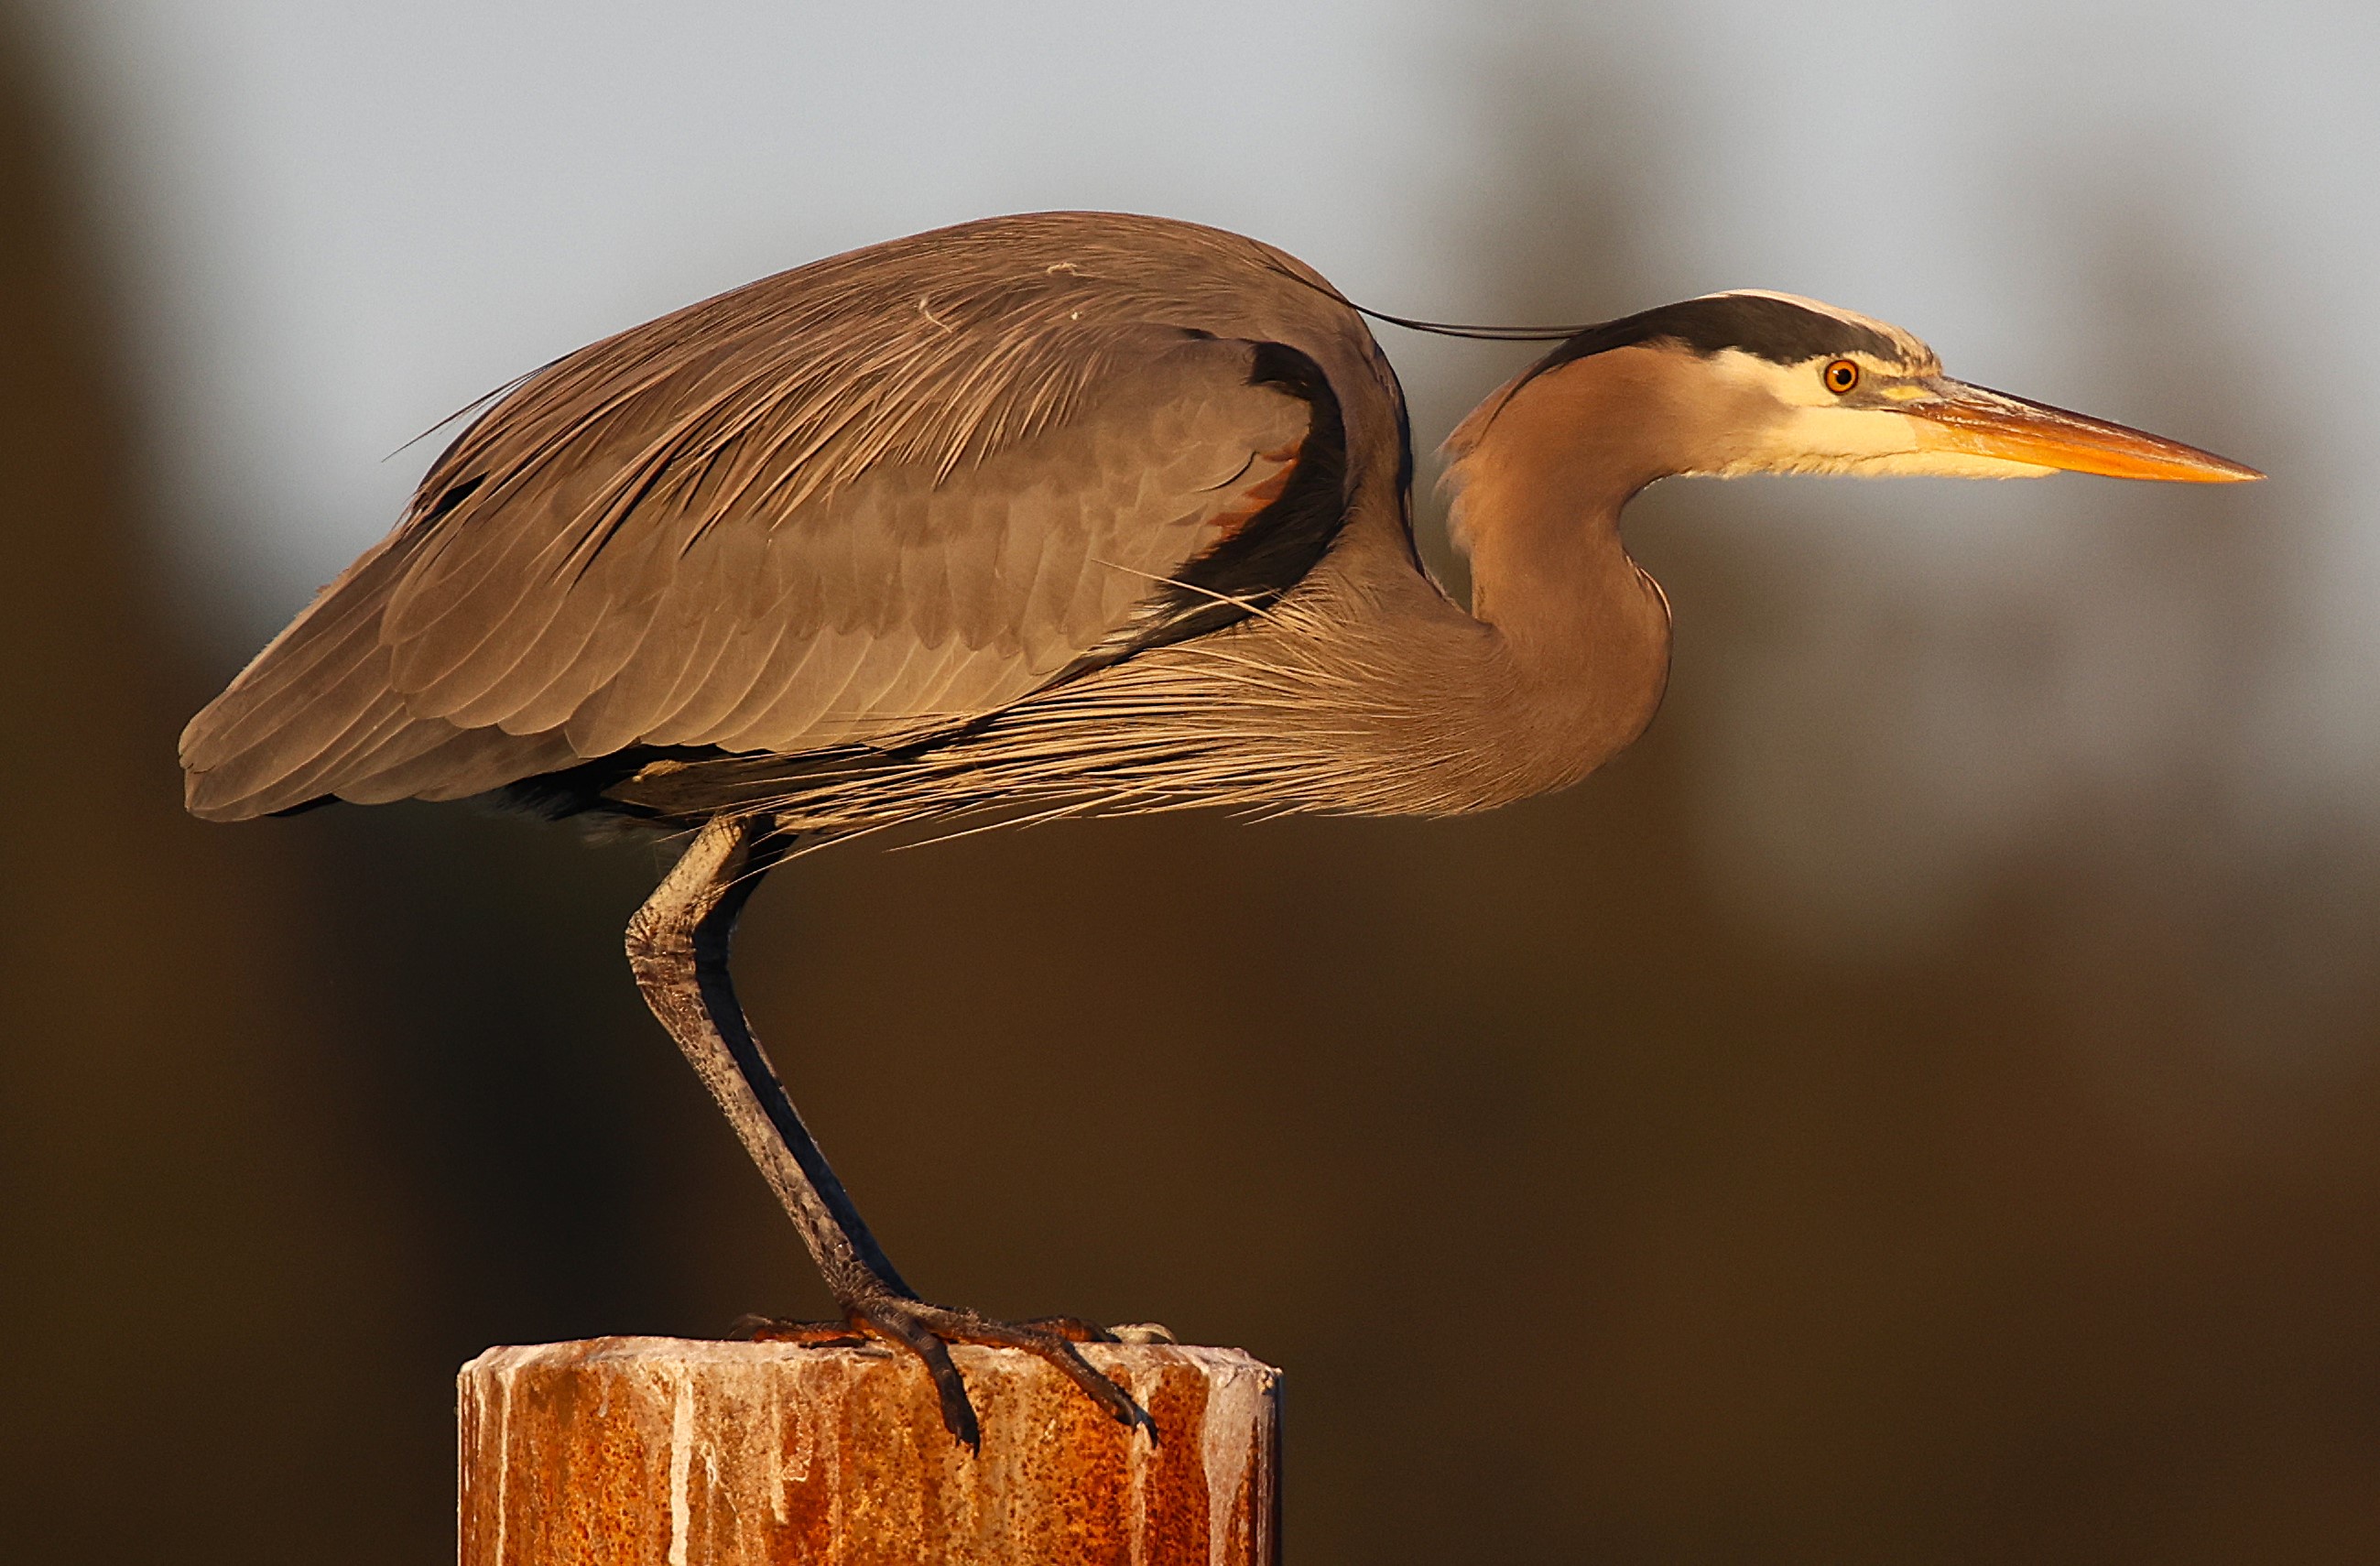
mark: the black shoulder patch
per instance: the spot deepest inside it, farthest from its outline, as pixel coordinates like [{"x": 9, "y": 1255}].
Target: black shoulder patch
[
  {"x": 1248, "y": 572},
  {"x": 1274, "y": 552},
  {"x": 1776, "y": 330}
]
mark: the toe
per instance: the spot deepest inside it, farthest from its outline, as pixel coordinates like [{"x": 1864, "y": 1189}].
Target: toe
[
  {"x": 902, "y": 1322},
  {"x": 815, "y": 1334},
  {"x": 965, "y": 1326},
  {"x": 1073, "y": 1329}
]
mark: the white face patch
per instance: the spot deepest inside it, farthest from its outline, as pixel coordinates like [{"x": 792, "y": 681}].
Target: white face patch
[{"x": 1816, "y": 429}]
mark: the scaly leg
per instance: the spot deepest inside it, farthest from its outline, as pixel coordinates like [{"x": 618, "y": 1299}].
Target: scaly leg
[{"x": 678, "y": 946}]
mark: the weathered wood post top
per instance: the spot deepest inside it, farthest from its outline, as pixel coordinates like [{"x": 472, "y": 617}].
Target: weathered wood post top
[{"x": 683, "y": 1452}]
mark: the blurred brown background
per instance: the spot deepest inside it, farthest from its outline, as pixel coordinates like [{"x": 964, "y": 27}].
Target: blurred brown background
[{"x": 1920, "y": 1105}]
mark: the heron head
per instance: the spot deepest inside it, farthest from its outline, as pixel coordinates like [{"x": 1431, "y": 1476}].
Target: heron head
[{"x": 1751, "y": 381}]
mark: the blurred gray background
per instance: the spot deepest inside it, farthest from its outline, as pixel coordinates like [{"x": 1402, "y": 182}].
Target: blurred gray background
[{"x": 1921, "y": 1104}]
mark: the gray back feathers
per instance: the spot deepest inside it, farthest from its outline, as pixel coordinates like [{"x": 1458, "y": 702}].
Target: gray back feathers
[{"x": 891, "y": 490}]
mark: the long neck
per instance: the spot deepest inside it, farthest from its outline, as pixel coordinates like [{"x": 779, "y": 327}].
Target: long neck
[
  {"x": 1581, "y": 635},
  {"x": 1373, "y": 694}
]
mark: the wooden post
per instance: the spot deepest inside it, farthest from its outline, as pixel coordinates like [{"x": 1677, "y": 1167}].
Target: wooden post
[{"x": 667, "y": 1452}]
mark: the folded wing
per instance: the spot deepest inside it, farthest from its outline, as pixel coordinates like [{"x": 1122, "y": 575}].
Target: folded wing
[{"x": 854, "y": 502}]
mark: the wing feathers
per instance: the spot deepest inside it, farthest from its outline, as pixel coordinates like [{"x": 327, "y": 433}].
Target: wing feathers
[{"x": 884, "y": 492}]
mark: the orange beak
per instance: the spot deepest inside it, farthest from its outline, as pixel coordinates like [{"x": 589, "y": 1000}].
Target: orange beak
[{"x": 1974, "y": 418}]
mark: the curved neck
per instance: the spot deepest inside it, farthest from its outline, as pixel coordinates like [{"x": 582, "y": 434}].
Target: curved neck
[{"x": 1541, "y": 476}]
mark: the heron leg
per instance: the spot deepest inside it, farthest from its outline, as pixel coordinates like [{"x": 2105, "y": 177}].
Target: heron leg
[{"x": 678, "y": 945}]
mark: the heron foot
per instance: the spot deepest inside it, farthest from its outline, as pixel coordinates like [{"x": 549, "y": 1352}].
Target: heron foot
[{"x": 925, "y": 1330}]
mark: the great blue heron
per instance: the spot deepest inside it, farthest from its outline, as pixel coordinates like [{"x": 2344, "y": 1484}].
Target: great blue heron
[{"x": 1037, "y": 516}]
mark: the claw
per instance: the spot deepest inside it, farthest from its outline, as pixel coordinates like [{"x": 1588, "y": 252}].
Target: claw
[{"x": 901, "y": 1321}]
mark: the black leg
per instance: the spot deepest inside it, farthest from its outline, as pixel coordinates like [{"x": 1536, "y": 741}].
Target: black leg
[{"x": 678, "y": 946}]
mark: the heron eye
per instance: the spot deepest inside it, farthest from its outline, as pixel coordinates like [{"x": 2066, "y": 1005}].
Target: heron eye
[{"x": 1840, "y": 376}]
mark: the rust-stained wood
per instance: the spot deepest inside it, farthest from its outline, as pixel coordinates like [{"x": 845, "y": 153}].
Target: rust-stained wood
[{"x": 666, "y": 1451}]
